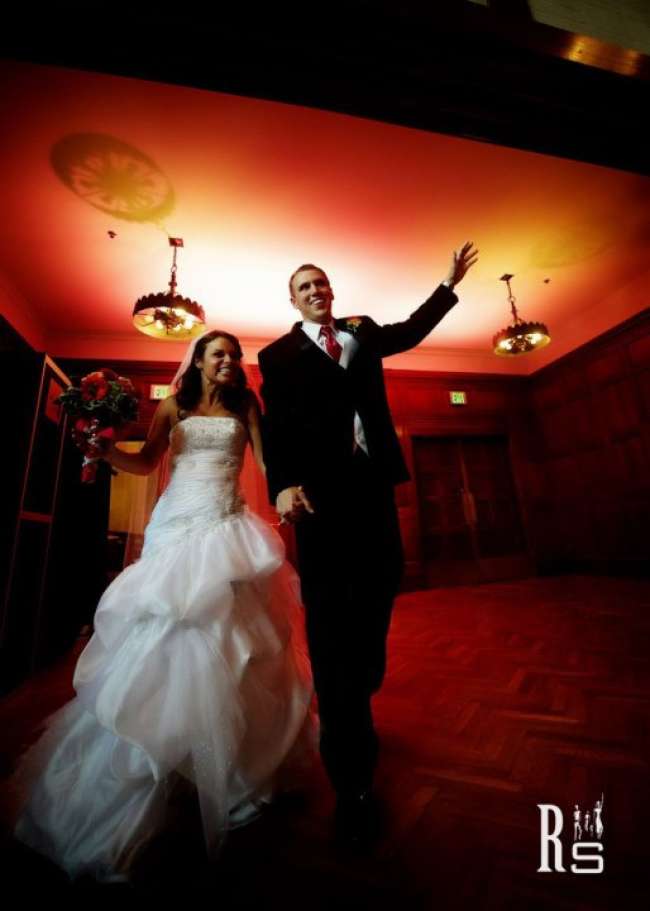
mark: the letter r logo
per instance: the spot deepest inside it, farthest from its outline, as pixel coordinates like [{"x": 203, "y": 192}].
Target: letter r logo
[{"x": 547, "y": 837}]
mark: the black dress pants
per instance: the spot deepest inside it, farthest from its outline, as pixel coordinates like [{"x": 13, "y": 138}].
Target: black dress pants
[{"x": 350, "y": 563}]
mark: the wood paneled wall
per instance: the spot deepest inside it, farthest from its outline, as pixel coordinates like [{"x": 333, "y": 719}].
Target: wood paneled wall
[{"x": 589, "y": 493}]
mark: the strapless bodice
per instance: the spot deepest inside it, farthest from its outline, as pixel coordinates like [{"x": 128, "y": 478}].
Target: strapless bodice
[
  {"x": 222, "y": 439},
  {"x": 207, "y": 454}
]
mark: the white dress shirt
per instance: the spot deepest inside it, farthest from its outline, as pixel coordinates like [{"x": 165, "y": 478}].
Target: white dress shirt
[{"x": 349, "y": 346}]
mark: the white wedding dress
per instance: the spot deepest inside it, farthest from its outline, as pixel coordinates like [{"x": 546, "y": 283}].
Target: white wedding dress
[{"x": 196, "y": 667}]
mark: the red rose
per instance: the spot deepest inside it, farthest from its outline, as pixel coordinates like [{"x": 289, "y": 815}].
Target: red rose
[
  {"x": 94, "y": 386},
  {"x": 92, "y": 378}
]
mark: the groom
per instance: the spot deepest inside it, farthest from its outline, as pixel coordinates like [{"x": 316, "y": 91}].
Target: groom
[{"x": 332, "y": 459}]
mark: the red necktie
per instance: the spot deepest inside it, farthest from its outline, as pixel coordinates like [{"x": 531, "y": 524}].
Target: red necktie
[{"x": 333, "y": 348}]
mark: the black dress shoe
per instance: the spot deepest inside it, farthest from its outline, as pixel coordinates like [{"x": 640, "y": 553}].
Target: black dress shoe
[{"x": 356, "y": 819}]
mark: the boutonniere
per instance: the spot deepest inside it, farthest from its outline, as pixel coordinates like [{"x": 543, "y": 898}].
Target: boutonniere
[{"x": 352, "y": 323}]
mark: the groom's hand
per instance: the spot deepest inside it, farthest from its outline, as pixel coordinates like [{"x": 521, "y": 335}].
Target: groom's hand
[
  {"x": 291, "y": 503},
  {"x": 461, "y": 262}
]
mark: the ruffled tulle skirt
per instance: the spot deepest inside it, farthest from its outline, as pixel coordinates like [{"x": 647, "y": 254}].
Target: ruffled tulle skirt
[{"x": 197, "y": 667}]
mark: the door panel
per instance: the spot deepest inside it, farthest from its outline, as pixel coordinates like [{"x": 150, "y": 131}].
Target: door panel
[{"x": 471, "y": 529}]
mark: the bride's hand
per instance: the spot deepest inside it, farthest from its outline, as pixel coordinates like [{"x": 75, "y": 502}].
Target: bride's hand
[
  {"x": 107, "y": 449},
  {"x": 105, "y": 443}
]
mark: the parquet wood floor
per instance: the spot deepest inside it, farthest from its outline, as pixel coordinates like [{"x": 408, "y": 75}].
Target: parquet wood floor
[{"x": 498, "y": 697}]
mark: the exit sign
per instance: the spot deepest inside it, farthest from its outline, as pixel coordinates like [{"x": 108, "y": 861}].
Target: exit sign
[
  {"x": 458, "y": 398},
  {"x": 157, "y": 392}
]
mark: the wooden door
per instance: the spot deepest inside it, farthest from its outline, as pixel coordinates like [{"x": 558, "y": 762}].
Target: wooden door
[{"x": 471, "y": 529}]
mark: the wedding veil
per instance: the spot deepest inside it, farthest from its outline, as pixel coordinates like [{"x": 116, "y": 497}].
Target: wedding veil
[{"x": 185, "y": 363}]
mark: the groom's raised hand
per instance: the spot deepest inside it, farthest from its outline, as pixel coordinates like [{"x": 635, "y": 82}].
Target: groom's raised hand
[
  {"x": 292, "y": 503},
  {"x": 462, "y": 261}
]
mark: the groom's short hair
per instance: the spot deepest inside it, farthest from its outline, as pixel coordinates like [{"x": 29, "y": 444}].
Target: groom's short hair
[{"x": 302, "y": 269}]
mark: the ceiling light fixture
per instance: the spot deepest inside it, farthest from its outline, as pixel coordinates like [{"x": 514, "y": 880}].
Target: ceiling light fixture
[
  {"x": 520, "y": 337},
  {"x": 167, "y": 315}
]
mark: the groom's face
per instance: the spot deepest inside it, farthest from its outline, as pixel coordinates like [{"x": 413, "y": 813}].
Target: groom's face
[{"x": 312, "y": 295}]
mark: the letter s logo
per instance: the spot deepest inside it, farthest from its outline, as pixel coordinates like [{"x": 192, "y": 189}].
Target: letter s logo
[{"x": 580, "y": 850}]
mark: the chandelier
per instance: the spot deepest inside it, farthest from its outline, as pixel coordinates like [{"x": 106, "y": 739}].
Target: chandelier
[
  {"x": 167, "y": 315},
  {"x": 520, "y": 337}
]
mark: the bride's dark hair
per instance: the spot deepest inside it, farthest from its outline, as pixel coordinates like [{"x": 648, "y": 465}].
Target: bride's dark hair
[{"x": 236, "y": 397}]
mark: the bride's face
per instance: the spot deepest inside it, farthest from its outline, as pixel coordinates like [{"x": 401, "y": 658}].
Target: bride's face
[{"x": 220, "y": 362}]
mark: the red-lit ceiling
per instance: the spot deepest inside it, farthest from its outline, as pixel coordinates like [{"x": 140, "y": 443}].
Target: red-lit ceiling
[{"x": 256, "y": 188}]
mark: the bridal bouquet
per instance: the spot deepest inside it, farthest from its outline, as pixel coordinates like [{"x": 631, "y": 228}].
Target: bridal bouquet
[{"x": 102, "y": 403}]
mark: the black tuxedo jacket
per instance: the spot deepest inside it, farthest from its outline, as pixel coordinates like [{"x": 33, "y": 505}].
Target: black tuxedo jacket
[{"x": 310, "y": 401}]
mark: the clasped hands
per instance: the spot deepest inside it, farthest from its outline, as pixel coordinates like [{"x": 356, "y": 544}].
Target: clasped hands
[{"x": 292, "y": 503}]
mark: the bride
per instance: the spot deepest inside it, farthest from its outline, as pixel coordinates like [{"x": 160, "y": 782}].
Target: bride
[{"x": 194, "y": 671}]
